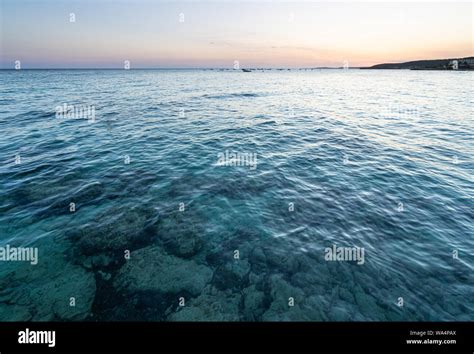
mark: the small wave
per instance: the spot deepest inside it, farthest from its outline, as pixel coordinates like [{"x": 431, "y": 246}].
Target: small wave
[
  {"x": 266, "y": 122},
  {"x": 37, "y": 114},
  {"x": 231, "y": 95}
]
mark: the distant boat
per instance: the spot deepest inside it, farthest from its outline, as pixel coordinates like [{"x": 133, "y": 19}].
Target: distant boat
[{"x": 246, "y": 70}]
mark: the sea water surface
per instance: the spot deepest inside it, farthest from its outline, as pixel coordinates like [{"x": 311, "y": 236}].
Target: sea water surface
[{"x": 161, "y": 230}]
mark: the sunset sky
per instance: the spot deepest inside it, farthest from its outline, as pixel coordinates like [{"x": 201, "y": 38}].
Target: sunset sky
[{"x": 216, "y": 33}]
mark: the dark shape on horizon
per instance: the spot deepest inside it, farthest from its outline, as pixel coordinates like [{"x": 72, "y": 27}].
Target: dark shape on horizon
[
  {"x": 436, "y": 64},
  {"x": 246, "y": 70}
]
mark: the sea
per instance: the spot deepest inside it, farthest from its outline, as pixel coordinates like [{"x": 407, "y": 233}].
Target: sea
[{"x": 222, "y": 195}]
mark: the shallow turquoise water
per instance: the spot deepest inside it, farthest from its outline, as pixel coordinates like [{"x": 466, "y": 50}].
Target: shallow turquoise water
[{"x": 380, "y": 160}]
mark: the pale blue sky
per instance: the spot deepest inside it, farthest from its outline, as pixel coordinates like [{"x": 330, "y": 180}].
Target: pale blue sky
[{"x": 215, "y": 33}]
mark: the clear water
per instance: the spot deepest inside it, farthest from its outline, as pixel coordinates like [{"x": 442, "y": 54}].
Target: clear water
[{"x": 380, "y": 160}]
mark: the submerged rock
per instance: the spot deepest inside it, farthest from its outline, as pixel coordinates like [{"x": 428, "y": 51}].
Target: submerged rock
[
  {"x": 273, "y": 258},
  {"x": 339, "y": 312},
  {"x": 43, "y": 292},
  {"x": 99, "y": 261},
  {"x": 150, "y": 269},
  {"x": 315, "y": 307},
  {"x": 15, "y": 312},
  {"x": 181, "y": 234},
  {"x": 232, "y": 275},
  {"x": 80, "y": 285},
  {"x": 346, "y": 295},
  {"x": 83, "y": 196},
  {"x": 317, "y": 275},
  {"x": 212, "y": 305},
  {"x": 115, "y": 230},
  {"x": 282, "y": 293},
  {"x": 254, "y": 303},
  {"x": 30, "y": 193},
  {"x": 367, "y": 305}
]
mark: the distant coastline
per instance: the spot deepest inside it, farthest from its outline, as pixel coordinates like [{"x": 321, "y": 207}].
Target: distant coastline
[{"x": 436, "y": 64}]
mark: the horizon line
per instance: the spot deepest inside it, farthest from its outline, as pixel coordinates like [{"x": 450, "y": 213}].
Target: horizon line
[{"x": 233, "y": 69}]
